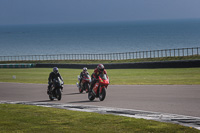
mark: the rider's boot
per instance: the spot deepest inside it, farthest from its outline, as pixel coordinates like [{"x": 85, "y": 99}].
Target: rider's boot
[
  {"x": 90, "y": 89},
  {"x": 79, "y": 85},
  {"x": 48, "y": 90},
  {"x": 91, "y": 85}
]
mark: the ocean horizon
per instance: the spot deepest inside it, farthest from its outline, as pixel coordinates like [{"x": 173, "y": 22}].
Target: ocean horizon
[{"x": 98, "y": 38}]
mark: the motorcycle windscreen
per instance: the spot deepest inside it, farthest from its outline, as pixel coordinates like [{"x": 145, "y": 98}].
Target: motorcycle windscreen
[
  {"x": 104, "y": 79},
  {"x": 103, "y": 76},
  {"x": 87, "y": 77}
]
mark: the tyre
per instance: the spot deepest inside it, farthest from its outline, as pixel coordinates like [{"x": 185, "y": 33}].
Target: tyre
[
  {"x": 58, "y": 94},
  {"x": 87, "y": 87},
  {"x": 91, "y": 97},
  {"x": 80, "y": 89},
  {"x": 51, "y": 97},
  {"x": 102, "y": 95}
]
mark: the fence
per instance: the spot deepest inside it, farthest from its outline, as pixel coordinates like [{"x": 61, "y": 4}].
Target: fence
[{"x": 109, "y": 56}]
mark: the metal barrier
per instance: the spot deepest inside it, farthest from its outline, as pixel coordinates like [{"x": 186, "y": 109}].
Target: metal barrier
[
  {"x": 17, "y": 65},
  {"x": 158, "y": 64},
  {"x": 108, "y": 56}
]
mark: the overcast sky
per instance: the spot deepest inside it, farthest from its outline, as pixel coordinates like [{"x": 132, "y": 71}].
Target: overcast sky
[{"x": 67, "y": 11}]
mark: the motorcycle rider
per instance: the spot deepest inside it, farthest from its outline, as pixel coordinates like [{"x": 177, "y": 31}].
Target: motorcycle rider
[
  {"x": 52, "y": 76},
  {"x": 82, "y": 74},
  {"x": 95, "y": 75}
]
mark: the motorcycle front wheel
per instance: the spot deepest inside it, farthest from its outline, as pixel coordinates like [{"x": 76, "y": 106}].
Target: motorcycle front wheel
[
  {"x": 91, "y": 97},
  {"x": 58, "y": 94},
  {"x": 51, "y": 97},
  {"x": 102, "y": 95},
  {"x": 80, "y": 90}
]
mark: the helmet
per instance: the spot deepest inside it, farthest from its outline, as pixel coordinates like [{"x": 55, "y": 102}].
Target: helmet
[
  {"x": 100, "y": 67},
  {"x": 84, "y": 69},
  {"x": 55, "y": 70}
]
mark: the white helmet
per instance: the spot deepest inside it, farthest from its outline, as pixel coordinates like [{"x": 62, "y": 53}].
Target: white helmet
[{"x": 85, "y": 69}]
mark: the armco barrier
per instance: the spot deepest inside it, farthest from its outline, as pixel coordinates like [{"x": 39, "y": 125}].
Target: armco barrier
[
  {"x": 161, "y": 64},
  {"x": 17, "y": 65}
]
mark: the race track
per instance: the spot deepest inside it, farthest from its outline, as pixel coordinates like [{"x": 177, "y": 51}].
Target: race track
[{"x": 173, "y": 99}]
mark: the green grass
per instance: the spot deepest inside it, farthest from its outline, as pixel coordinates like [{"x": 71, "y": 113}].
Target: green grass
[
  {"x": 179, "y": 76},
  {"x": 27, "y": 118},
  {"x": 187, "y": 76}
]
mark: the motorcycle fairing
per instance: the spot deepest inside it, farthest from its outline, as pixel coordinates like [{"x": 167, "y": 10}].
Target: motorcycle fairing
[{"x": 95, "y": 88}]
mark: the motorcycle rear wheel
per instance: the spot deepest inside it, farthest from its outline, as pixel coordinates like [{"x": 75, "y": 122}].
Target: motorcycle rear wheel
[{"x": 102, "y": 95}]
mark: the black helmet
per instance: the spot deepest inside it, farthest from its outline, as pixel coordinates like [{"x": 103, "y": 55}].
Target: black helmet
[{"x": 55, "y": 70}]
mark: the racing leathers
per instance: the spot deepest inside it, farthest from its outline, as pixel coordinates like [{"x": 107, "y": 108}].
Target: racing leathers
[
  {"x": 53, "y": 76},
  {"x": 81, "y": 76},
  {"x": 95, "y": 76}
]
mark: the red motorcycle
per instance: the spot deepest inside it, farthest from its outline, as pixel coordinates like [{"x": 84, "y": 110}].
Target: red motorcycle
[
  {"x": 99, "y": 88},
  {"x": 85, "y": 83}
]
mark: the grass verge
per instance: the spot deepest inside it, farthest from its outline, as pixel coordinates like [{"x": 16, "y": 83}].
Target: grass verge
[
  {"x": 27, "y": 118},
  {"x": 170, "y": 76}
]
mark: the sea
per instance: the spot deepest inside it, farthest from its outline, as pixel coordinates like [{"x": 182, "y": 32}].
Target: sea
[{"x": 101, "y": 37}]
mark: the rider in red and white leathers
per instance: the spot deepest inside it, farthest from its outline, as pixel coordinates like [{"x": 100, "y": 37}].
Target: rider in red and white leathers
[
  {"x": 82, "y": 73},
  {"x": 95, "y": 75}
]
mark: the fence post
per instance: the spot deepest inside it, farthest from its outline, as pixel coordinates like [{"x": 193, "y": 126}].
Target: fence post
[
  {"x": 192, "y": 51},
  {"x": 136, "y": 55},
  {"x": 133, "y": 55},
  {"x": 150, "y": 54},
  {"x": 147, "y": 56},
  {"x": 174, "y": 52}
]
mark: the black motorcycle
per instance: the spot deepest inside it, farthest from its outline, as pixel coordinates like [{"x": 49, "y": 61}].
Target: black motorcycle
[{"x": 55, "y": 91}]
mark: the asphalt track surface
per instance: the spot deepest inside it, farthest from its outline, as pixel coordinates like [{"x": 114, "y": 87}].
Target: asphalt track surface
[{"x": 173, "y": 99}]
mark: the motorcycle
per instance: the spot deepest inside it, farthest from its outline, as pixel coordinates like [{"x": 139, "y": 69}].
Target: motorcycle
[
  {"x": 56, "y": 88},
  {"x": 99, "y": 88},
  {"x": 85, "y": 83}
]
